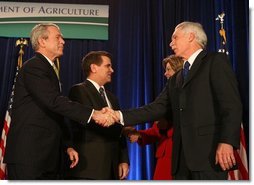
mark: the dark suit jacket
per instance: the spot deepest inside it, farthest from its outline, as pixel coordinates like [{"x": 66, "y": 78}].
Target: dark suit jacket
[
  {"x": 206, "y": 110},
  {"x": 35, "y": 134},
  {"x": 100, "y": 149}
]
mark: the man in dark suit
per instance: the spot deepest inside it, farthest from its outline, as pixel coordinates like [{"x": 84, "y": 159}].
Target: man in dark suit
[
  {"x": 103, "y": 153},
  {"x": 205, "y": 105},
  {"x": 34, "y": 143}
]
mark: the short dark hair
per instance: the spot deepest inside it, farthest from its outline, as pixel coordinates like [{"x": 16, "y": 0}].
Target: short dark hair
[{"x": 93, "y": 57}]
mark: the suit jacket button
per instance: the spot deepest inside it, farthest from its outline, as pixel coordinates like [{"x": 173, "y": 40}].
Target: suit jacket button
[{"x": 181, "y": 109}]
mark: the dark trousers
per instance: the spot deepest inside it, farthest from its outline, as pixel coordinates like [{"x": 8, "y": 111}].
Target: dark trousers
[
  {"x": 78, "y": 178},
  {"x": 23, "y": 172},
  {"x": 184, "y": 173}
]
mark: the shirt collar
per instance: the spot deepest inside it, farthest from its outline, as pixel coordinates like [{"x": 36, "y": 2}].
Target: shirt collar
[
  {"x": 95, "y": 84},
  {"x": 49, "y": 61},
  {"x": 193, "y": 57}
]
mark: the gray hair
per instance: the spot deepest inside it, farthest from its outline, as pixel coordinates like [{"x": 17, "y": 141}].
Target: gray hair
[
  {"x": 197, "y": 29},
  {"x": 40, "y": 31}
]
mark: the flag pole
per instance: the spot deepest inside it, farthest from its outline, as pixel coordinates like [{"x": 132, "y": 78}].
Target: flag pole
[
  {"x": 21, "y": 43},
  {"x": 7, "y": 121},
  {"x": 242, "y": 173},
  {"x": 222, "y": 33}
]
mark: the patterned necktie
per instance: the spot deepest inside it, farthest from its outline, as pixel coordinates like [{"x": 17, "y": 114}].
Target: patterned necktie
[
  {"x": 186, "y": 69},
  {"x": 102, "y": 93}
]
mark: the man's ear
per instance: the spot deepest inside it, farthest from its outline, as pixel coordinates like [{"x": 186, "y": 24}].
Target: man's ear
[
  {"x": 41, "y": 42},
  {"x": 93, "y": 68},
  {"x": 191, "y": 37}
]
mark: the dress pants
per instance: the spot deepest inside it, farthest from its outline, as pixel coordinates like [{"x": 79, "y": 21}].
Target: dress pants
[
  {"x": 23, "y": 172},
  {"x": 184, "y": 173}
]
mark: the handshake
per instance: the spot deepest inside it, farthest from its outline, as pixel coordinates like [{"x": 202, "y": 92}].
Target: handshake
[{"x": 106, "y": 117}]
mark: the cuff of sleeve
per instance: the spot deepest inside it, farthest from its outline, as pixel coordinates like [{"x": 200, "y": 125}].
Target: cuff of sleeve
[
  {"x": 121, "y": 118},
  {"x": 88, "y": 121}
]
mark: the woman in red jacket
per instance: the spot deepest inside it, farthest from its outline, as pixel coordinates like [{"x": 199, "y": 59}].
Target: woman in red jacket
[{"x": 161, "y": 131}]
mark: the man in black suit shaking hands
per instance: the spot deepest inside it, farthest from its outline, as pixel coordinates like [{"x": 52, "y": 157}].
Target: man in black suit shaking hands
[
  {"x": 34, "y": 143},
  {"x": 206, "y": 109},
  {"x": 103, "y": 153}
]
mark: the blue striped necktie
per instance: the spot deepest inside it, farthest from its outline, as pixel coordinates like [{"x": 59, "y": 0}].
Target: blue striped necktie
[{"x": 186, "y": 69}]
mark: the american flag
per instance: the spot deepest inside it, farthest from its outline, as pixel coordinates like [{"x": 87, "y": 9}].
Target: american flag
[
  {"x": 5, "y": 130},
  {"x": 242, "y": 172},
  {"x": 7, "y": 121}
]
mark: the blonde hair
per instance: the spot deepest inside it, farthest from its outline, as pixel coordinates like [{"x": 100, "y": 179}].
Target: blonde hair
[{"x": 175, "y": 62}]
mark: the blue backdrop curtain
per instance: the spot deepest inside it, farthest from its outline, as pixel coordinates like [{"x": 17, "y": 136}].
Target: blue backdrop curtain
[{"x": 139, "y": 35}]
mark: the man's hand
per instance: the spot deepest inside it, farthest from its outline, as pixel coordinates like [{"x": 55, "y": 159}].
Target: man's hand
[
  {"x": 123, "y": 170},
  {"x": 115, "y": 115},
  {"x": 127, "y": 130},
  {"x": 225, "y": 156},
  {"x": 106, "y": 117},
  {"x": 131, "y": 133},
  {"x": 134, "y": 137},
  {"x": 73, "y": 155}
]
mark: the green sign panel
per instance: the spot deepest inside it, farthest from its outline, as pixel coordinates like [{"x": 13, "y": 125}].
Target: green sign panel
[{"x": 75, "y": 20}]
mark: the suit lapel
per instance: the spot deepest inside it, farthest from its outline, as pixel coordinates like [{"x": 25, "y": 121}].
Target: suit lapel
[
  {"x": 94, "y": 94},
  {"x": 44, "y": 60},
  {"x": 96, "y": 97},
  {"x": 113, "y": 100},
  {"x": 179, "y": 79},
  {"x": 194, "y": 68},
  {"x": 50, "y": 68}
]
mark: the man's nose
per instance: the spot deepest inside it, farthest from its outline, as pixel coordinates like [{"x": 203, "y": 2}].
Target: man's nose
[
  {"x": 62, "y": 41},
  {"x": 171, "y": 44}
]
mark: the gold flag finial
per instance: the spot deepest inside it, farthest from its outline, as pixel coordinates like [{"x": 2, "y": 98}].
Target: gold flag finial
[
  {"x": 21, "y": 42},
  {"x": 222, "y": 33},
  {"x": 222, "y": 30}
]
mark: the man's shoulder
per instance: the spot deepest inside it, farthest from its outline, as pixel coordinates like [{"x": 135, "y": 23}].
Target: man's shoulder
[
  {"x": 217, "y": 58},
  {"x": 36, "y": 60},
  {"x": 214, "y": 54},
  {"x": 85, "y": 86},
  {"x": 78, "y": 85}
]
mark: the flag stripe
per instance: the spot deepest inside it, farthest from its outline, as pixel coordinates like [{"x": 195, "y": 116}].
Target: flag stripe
[
  {"x": 5, "y": 130},
  {"x": 241, "y": 158},
  {"x": 240, "y": 155},
  {"x": 7, "y": 121}
]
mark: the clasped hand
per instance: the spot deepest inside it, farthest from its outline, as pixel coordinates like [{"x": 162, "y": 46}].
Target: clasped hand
[
  {"x": 106, "y": 117},
  {"x": 131, "y": 133}
]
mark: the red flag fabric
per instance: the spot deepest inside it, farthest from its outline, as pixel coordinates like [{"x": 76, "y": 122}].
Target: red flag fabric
[
  {"x": 5, "y": 130},
  {"x": 242, "y": 173},
  {"x": 7, "y": 122},
  {"x": 3, "y": 172}
]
